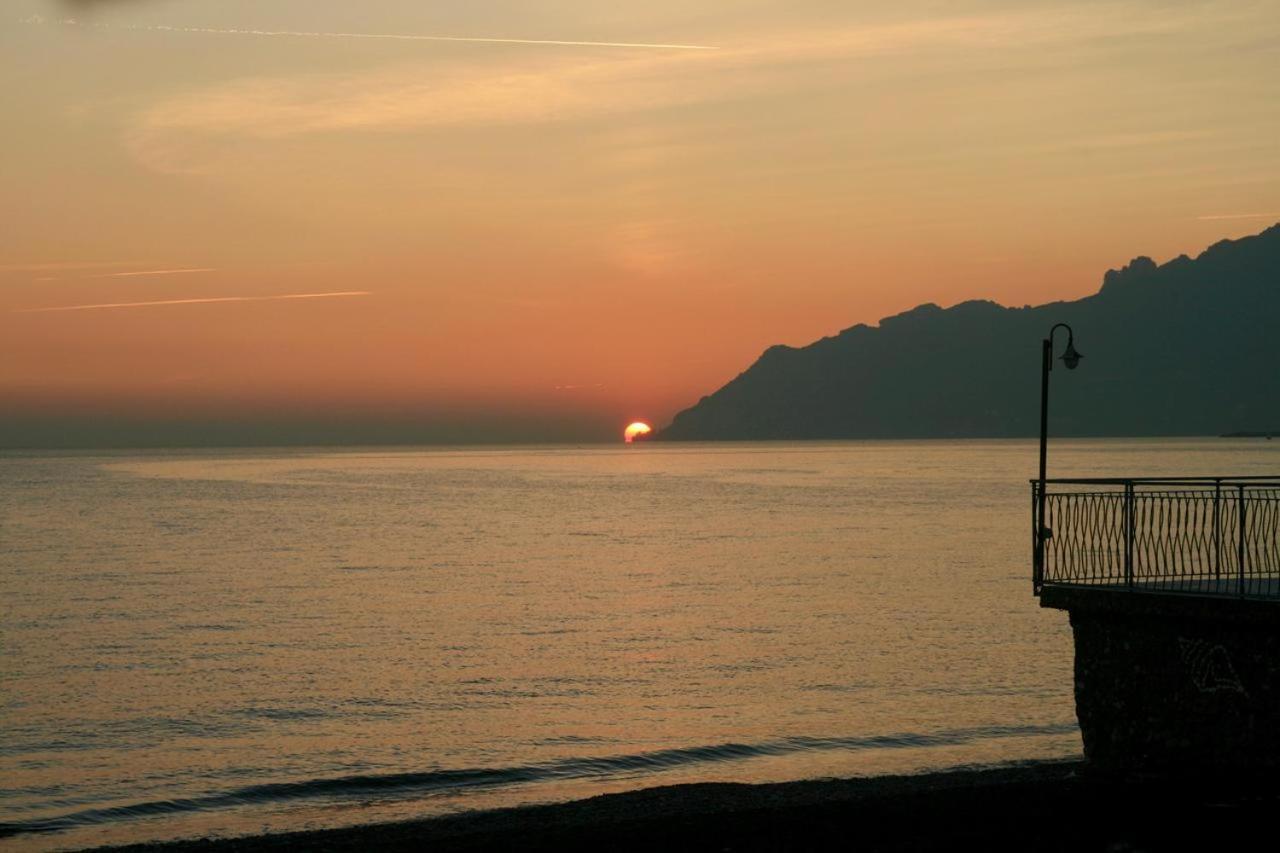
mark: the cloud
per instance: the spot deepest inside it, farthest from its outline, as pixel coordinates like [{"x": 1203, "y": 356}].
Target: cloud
[
  {"x": 90, "y": 5},
  {"x": 413, "y": 96},
  {"x": 167, "y": 28},
  {"x": 59, "y": 266},
  {"x": 183, "y": 133},
  {"x": 88, "y": 267},
  {"x": 181, "y": 271},
  {"x": 209, "y": 128},
  {"x": 202, "y": 301},
  {"x": 594, "y": 386}
]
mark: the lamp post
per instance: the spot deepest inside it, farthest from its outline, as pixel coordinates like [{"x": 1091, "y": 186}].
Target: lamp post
[{"x": 1071, "y": 359}]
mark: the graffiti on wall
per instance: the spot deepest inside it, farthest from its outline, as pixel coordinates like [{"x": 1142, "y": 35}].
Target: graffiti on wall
[{"x": 1210, "y": 666}]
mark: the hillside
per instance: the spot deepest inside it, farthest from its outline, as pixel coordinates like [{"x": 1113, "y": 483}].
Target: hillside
[{"x": 1184, "y": 348}]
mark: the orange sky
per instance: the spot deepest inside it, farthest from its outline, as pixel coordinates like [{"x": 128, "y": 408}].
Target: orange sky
[{"x": 578, "y": 235}]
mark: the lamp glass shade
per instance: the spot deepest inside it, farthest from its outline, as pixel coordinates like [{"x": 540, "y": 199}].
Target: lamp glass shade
[{"x": 1071, "y": 358}]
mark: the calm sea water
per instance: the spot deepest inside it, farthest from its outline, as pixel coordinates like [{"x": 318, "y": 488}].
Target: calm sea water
[{"x": 236, "y": 641}]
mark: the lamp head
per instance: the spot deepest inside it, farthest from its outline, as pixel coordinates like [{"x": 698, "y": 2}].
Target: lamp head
[{"x": 1071, "y": 358}]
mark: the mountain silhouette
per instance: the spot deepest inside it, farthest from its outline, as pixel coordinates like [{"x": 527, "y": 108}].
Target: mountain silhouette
[{"x": 1184, "y": 348}]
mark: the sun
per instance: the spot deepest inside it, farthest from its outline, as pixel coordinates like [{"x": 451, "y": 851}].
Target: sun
[{"x": 639, "y": 429}]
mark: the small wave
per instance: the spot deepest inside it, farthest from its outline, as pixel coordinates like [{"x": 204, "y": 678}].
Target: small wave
[{"x": 434, "y": 781}]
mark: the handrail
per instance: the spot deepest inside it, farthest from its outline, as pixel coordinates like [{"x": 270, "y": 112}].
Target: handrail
[
  {"x": 1201, "y": 535},
  {"x": 1120, "y": 481}
]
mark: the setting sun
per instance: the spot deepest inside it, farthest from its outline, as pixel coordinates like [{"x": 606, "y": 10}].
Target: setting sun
[{"x": 636, "y": 430}]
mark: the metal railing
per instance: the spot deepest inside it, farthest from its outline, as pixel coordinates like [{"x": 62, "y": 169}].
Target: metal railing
[{"x": 1200, "y": 535}]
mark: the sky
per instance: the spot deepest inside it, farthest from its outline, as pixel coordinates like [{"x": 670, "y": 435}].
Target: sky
[{"x": 252, "y": 221}]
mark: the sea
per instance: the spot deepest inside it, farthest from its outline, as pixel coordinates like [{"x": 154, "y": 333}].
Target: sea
[{"x": 232, "y": 642}]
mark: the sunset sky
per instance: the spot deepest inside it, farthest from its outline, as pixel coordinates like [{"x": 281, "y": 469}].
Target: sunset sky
[{"x": 505, "y": 220}]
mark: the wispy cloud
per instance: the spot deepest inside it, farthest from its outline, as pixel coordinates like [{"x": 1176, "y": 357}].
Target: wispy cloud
[
  {"x": 404, "y": 97},
  {"x": 85, "y": 269},
  {"x": 1215, "y": 216},
  {"x": 165, "y": 28},
  {"x": 202, "y": 301},
  {"x": 59, "y": 266},
  {"x": 533, "y": 88},
  {"x": 180, "y": 271}
]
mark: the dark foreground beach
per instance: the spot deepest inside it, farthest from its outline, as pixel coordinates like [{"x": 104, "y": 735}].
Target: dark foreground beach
[{"x": 1046, "y": 806}]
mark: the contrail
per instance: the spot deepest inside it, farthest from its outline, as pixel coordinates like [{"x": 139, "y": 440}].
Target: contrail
[
  {"x": 153, "y": 272},
  {"x": 58, "y": 266},
  {"x": 165, "y": 28},
  {"x": 1239, "y": 216},
  {"x": 205, "y": 301}
]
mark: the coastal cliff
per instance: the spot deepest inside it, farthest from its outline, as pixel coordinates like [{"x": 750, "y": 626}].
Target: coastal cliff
[{"x": 1181, "y": 348}]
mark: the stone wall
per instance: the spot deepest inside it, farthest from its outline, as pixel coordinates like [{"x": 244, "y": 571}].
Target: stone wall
[{"x": 1168, "y": 682}]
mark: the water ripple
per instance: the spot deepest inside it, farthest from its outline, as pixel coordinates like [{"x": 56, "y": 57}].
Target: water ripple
[{"x": 362, "y": 785}]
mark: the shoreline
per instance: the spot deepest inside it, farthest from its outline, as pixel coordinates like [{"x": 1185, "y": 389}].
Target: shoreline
[{"x": 1053, "y": 805}]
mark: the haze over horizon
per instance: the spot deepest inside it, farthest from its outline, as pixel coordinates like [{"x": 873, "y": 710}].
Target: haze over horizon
[{"x": 497, "y": 222}]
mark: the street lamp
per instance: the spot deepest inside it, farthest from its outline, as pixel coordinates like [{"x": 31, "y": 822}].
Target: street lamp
[{"x": 1071, "y": 359}]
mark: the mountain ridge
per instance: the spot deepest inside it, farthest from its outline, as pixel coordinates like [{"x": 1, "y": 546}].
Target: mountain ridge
[{"x": 1178, "y": 348}]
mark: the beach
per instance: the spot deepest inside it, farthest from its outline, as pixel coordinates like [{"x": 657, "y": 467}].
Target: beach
[{"x": 1052, "y": 806}]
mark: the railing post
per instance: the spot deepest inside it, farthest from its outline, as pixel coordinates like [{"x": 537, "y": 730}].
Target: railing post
[
  {"x": 1128, "y": 533},
  {"x": 1217, "y": 530},
  {"x": 1046, "y": 364},
  {"x": 1037, "y": 544},
  {"x": 1240, "y": 514}
]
